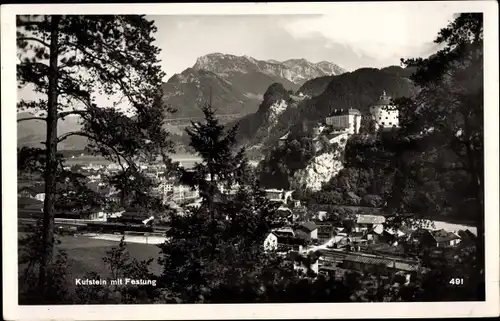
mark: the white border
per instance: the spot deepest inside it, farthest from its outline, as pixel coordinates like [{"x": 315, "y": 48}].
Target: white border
[{"x": 246, "y": 311}]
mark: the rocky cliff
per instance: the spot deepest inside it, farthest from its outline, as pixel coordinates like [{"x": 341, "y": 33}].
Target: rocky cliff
[
  {"x": 296, "y": 71},
  {"x": 320, "y": 169}
]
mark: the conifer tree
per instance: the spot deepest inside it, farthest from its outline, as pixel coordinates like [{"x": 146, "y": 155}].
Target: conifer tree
[
  {"x": 221, "y": 240},
  {"x": 69, "y": 60}
]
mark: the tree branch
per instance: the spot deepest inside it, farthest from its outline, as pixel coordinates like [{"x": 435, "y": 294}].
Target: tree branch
[
  {"x": 115, "y": 80},
  {"x": 73, "y": 95},
  {"x": 73, "y": 112},
  {"x": 82, "y": 134},
  {"x": 66, "y": 135},
  {"x": 33, "y": 39},
  {"x": 32, "y": 118}
]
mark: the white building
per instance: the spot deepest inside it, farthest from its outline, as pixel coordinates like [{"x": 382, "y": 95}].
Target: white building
[
  {"x": 279, "y": 195},
  {"x": 172, "y": 191},
  {"x": 40, "y": 197},
  {"x": 271, "y": 242},
  {"x": 365, "y": 222},
  {"x": 384, "y": 113},
  {"x": 348, "y": 120}
]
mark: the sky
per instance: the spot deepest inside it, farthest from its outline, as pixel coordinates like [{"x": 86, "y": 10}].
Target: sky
[
  {"x": 365, "y": 38},
  {"x": 352, "y": 36}
]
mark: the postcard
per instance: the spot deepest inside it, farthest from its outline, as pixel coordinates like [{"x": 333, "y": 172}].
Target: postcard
[{"x": 250, "y": 160}]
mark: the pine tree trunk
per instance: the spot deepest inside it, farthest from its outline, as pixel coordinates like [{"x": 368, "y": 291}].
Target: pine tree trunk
[{"x": 51, "y": 162}]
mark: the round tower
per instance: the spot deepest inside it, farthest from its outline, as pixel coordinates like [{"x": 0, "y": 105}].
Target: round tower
[{"x": 384, "y": 113}]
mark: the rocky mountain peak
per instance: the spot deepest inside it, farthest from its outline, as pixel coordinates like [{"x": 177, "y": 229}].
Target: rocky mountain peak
[
  {"x": 296, "y": 71},
  {"x": 275, "y": 93}
]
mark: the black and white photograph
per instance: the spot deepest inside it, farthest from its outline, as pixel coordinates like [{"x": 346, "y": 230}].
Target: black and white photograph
[{"x": 342, "y": 153}]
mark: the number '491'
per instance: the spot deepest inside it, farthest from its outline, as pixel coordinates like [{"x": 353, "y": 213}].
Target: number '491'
[{"x": 457, "y": 281}]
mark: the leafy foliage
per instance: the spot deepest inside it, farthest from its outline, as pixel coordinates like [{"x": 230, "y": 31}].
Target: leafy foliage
[
  {"x": 220, "y": 241},
  {"x": 448, "y": 116}
]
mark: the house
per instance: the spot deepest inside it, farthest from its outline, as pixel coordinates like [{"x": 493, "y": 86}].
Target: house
[
  {"x": 77, "y": 214},
  {"x": 439, "y": 238},
  {"x": 340, "y": 240},
  {"x": 357, "y": 239},
  {"x": 285, "y": 231},
  {"x": 307, "y": 231},
  {"x": 36, "y": 192},
  {"x": 299, "y": 213},
  {"x": 283, "y": 242},
  {"x": 384, "y": 249},
  {"x": 375, "y": 234},
  {"x": 283, "y": 139},
  {"x": 26, "y": 192},
  {"x": 305, "y": 264},
  {"x": 279, "y": 195},
  {"x": 392, "y": 235},
  {"x": 28, "y": 202},
  {"x": 326, "y": 232},
  {"x": 467, "y": 237},
  {"x": 271, "y": 242},
  {"x": 348, "y": 120},
  {"x": 29, "y": 207},
  {"x": 321, "y": 215},
  {"x": 133, "y": 217},
  {"x": 366, "y": 222},
  {"x": 284, "y": 214}
]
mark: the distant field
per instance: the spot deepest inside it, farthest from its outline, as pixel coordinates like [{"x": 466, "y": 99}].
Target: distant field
[
  {"x": 85, "y": 255},
  {"x": 187, "y": 160},
  {"x": 87, "y": 159}
]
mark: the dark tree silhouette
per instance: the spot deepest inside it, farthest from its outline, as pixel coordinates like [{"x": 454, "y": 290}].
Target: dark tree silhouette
[{"x": 67, "y": 61}]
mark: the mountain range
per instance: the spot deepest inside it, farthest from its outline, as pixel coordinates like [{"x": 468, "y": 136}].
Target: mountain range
[
  {"x": 33, "y": 132},
  {"x": 236, "y": 84}
]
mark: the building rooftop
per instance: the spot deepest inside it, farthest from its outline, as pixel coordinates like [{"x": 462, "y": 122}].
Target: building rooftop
[
  {"x": 467, "y": 235},
  {"x": 285, "y": 137},
  {"x": 29, "y": 203},
  {"x": 342, "y": 111},
  {"x": 290, "y": 240},
  {"x": 383, "y": 100},
  {"x": 444, "y": 236},
  {"x": 36, "y": 188},
  {"x": 309, "y": 226},
  {"x": 370, "y": 219}
]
